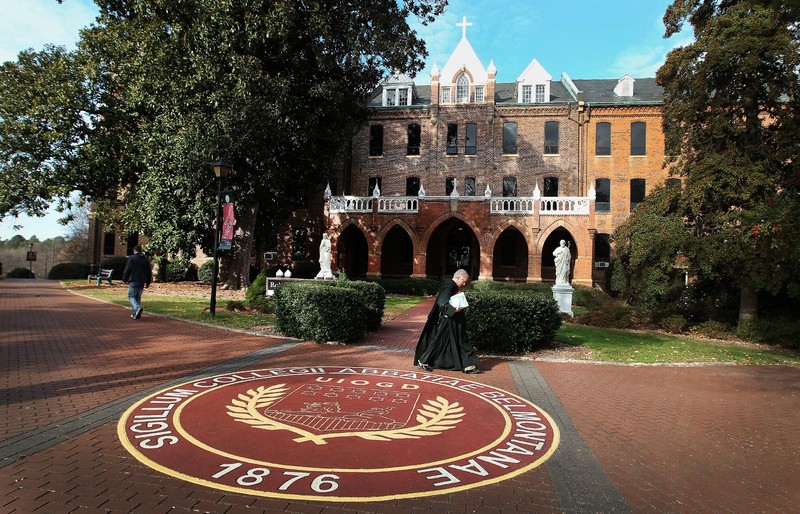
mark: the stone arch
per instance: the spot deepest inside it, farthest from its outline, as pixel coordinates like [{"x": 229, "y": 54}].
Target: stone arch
[
  {"x": 397, "y": 250},
  {"x": 510, "y": 255},
  {"x": 452, "y": 244},
  {"x": 549, "y": 241},
  {"x": 352, "y": 250}
]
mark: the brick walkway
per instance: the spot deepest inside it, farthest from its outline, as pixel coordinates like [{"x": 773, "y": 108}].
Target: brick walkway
[{"x": 638, "y": 439}]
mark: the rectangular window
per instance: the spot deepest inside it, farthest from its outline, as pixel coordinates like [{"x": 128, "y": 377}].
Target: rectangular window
[
  {"x": 452, "y": 139},
  {"x": 414, "y": 137},
  {"x": 374, "y": 181},
  {"x": 638, "y": 138},
  {"x": 602, "y": 248},
  {"x": 375, "y": 140},
  {"x": 510, "y": 138},
  {"x": 449, "y": 185},
  {"x": 527, "y": 94},
  {"x": 108, "y": 243},
  {"x": 300, "y": 244},
  {"x": 402, "y": 96},
  {"x": 540, "y": 93},
  {"x": 673, "y": 182},
  {"x": 509, "y": 186},
  {"x": 602, "y": 139},
  {"x": 637, "y": 192},
  {"x": 471, "y": 144},
  {"x": 133, "y": 240},
  {"x": 391, "y": 97},
  {"x": 469, "y": 186},
  {"x": 602, "y": 187},
  {"x": 550, "y": 186},
  {"x": 479, "y": 94},
  {"x": 551, "y": 137},
  {"x": 446, "y": 99},
  {"x": 412, "y": 186}
]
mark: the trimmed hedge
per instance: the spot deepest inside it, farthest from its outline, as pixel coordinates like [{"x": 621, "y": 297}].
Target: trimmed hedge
[
  {"x": 19, "y": 273},
  {"x": 374, "y": 297},
  {"x": 67, "y": 270},
  {"x": 512, "y": 323},
  {"x": 409, "y": 286},
  {"x": 178, "y": 269},
  {"x": 317, "y": 312},
  {"x": 206, "y": 271},
  {"x": 117, "y": 263}
]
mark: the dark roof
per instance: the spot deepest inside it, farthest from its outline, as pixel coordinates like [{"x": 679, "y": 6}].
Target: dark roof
[
  {"x": 601, "y": 91},
  {"x": 595, "y": 91}
]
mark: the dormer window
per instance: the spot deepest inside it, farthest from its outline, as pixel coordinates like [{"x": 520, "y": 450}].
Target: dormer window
[
  {"x": 395, "y": 96},
  {"x": 527, "y": 96},
  {"x": 462, "y": 89},
  {"x": 540, "y": 92},
  {"x": 624, "y": 87}
]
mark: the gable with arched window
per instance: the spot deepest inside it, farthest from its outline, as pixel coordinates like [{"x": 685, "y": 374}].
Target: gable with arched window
[{"x": 462, "y": 89}]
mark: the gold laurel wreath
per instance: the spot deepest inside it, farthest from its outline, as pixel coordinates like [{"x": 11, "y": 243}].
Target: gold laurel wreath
[{"x": 434, "y": 417}]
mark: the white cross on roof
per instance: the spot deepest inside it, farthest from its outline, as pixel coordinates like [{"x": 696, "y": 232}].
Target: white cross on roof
[{"x": 463, "y": 26}]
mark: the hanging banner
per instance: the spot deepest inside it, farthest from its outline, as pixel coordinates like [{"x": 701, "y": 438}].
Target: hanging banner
[{"x": 228, "y": 223}]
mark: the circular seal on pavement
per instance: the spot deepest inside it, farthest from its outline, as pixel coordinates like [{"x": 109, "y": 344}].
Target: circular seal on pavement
[{"x": 337, "y": 433}]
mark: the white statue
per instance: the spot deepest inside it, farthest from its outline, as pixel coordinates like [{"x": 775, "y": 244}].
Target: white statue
[
  {"x": 325, "y": 258},
  {"x": 454, "y": 192},
  {"x": 562, "y": 259}
]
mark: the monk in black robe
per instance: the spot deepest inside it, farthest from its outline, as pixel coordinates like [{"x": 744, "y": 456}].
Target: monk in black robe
[{"x": 443, "y": 343}]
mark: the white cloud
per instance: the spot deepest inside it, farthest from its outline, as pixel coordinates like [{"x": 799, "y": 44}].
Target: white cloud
[{"x": 35, "y": 23}]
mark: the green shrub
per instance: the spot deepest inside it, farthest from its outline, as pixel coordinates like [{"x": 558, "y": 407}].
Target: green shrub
[
  {"x": 410, "y": 286},
  {"x": 674, "y": 324},
  {"x": 67, "y": 270},
  {"x": 715, "y": 329},
  {"x": 611, "y": 314},
  {"x": 374, "y": 297},
  {"x": 256, "y": 295},
  {"x": 19, "y": 273},
  {"x": 235, "y": 306},
  {"x": 205, "y": 273},
  {"x": 178, "y": 269},
  {"x": 117, "y": 263},
  {"x": 317, "y": 312},
  {"x": 511, "y": 322},
  {"x": 782, "y": 331}
]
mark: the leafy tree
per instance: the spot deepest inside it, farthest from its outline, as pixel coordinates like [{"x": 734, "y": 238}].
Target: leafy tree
[
  {"x": 732, "y": 107},
  {"x": 646, "y": 248},
  {"x": 158, "y": 89}
]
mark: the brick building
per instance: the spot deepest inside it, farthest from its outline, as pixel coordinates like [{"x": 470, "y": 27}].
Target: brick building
[{"x": 467, "y": 172}]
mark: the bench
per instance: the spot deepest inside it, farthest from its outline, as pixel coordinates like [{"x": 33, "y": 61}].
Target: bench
[{"x": 103, "y": 274}]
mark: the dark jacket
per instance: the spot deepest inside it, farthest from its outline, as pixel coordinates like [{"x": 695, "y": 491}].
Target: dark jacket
[{"x": 137, "y": 269}]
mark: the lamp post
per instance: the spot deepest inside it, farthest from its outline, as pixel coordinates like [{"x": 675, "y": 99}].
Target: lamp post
[
  {"x": 221, "y": 170},
  {"x": 30, "y": 260}
]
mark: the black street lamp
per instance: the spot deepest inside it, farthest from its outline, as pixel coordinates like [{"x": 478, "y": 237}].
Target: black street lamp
[{"x": 221, "y": 170}]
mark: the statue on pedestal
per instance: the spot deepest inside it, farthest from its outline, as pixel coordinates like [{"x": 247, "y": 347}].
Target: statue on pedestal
[
  {"x": 325, "y": 258},
  {"x": 562, "y": 259}
]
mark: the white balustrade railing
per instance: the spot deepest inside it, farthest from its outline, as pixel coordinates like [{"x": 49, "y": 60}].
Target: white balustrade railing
[
  {"x": 398, "y": 204},
  {"x": 350, "y": 204},
  {"x": 511, "y": 204},
  {"x": 548, "y": 206},
  {"x": 564, "y": 205}
]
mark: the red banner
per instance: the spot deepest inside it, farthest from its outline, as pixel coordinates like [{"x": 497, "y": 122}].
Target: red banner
[{"x": 228, "y": 222}]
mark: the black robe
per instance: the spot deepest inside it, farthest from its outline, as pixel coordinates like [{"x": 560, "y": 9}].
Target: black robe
[{"x": 443, "y": 343}]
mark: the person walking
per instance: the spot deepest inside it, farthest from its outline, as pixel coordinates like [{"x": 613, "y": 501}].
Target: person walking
[
  {"x": 443, "y": 343},
  {"x": 138, "y": 275}
]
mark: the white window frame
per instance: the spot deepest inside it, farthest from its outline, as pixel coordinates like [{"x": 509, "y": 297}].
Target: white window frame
[
  {"x": 480, "y": 94},
  {"x": 540, "y": 93},
  {"x": 446, "y": 95},
  {"x": 462, "y": 89},
  {"x": 527, "y": 94}
]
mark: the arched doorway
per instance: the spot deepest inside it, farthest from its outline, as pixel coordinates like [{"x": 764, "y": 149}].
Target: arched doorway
[
  {"x": 550, "y": 244},
  {"x": 397, "y": 254},
  {"x": 351, "y": 252},
  {"x": 510, "y": 256},
  {"x": 452, "y": 245}
]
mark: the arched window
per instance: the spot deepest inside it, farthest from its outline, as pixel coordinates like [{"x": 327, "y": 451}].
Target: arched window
[{"x": 462, "y": 89}]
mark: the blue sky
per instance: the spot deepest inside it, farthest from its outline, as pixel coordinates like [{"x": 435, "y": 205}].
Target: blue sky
[{"x": 582, "y": 38}]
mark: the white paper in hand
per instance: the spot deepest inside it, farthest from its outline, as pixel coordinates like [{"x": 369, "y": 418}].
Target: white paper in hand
[{"x": 459, "y": 300}]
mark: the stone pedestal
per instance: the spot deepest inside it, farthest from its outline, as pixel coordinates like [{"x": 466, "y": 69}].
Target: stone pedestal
[
  {"x": 562, "y": 294},
  {"x": 325, "y": 275}
]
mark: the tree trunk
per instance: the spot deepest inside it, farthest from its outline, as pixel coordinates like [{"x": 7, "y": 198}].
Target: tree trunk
[
  {"x": 748, "y": 306},
  {"x": 239, "y": 276}
]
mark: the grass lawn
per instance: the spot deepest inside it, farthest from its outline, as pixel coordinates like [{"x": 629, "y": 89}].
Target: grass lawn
[
  {"x": 622, "y": 346},
  {"x": 647, "y": 347}
]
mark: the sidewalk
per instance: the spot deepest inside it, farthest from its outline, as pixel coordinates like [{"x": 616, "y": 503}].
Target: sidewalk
[{"x": 638, "y": 439}]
